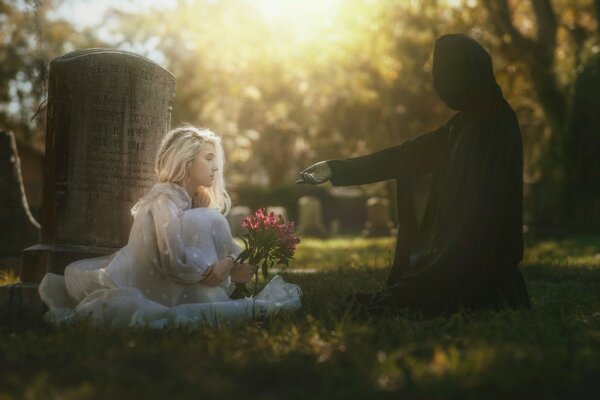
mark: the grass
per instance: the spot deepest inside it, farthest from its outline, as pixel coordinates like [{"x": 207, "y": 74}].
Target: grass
[{"x": 552, "y": 351}]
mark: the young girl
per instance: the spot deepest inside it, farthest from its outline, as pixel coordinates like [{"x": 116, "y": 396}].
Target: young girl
[{"x": 178, "y": 265}]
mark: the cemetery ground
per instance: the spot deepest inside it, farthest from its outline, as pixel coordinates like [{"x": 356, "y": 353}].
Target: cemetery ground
[{"x": 552, "y": 351}]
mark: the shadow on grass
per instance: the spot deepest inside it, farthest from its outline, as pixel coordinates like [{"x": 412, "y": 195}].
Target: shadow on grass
[{"x": 552, "y": 351}]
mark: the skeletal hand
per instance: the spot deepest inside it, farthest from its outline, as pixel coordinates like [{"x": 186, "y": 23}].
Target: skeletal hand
[{"x": 315, "y": 174}]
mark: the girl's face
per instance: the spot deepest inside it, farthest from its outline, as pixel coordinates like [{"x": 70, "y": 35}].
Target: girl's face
[{"x": 202, "y": 170}]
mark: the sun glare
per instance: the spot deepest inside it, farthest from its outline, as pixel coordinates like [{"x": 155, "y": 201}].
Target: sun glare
[{"x": 298, "y": 14}]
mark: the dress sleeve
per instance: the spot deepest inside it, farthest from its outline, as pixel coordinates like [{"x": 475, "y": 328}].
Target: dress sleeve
[
  {"x": 178, "y": 262},
  {"x": 424, "y": 153}
]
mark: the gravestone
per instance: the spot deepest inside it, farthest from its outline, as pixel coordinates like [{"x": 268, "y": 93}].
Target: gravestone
[
  {"x": 334, "y": 227},
  {"x": 18, "y": 228},
  {"x": 378, "y": 217},
  {"x": 107, "y": 112},
  {"x": 21, "y": 302},
  {"x": 278, "y": 211},
  {"x": 348, "y": 208},
  {"x": 235, "y": 217},
  {"x": 310, "y": 217}
]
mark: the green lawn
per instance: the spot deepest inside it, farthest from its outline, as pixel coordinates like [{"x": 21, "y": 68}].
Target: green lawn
[{"x": 551, "y": 352}]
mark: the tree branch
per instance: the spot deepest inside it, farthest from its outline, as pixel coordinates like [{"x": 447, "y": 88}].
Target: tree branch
[
  {"x": 546, "y": 27},
  {"x": 500, "y": 16}
]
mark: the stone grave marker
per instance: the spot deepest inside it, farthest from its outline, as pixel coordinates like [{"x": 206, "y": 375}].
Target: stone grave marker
[
  {"x": 378, "y": 217},
  {"x": 235, "y": 217},
  {"x": 310, "y": 217},
  {"x": 278, "y": 211},
  {"x": 107, "y": 112}
]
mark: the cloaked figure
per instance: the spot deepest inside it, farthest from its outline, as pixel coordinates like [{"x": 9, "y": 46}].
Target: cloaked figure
[{"x": 465, "y": 251}]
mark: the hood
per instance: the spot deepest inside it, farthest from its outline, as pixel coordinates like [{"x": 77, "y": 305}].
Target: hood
[{"x": 462, "y": 72}]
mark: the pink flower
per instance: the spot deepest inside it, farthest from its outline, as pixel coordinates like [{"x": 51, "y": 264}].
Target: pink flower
[
  {"x": 260, "y": 213},
  {"x": 269, "y": 238}
]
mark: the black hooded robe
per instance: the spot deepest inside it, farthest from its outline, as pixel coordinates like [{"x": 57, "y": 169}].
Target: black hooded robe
[{"x": 466, "y": 250}]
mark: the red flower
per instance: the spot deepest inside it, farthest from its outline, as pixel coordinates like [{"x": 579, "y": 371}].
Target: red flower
[{"x": 269, "y": 239}]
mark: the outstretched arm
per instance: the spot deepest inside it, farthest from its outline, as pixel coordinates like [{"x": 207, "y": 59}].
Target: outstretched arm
[{"x": 421, "y": 154}]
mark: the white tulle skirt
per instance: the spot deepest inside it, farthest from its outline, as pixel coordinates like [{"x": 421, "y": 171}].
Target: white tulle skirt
[
  {"x": 128, "y": 307},
  {"x": 127, "y": 288}
]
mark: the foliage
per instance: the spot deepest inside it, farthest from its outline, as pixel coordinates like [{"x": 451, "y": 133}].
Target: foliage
[
  {"x": 28, "y": 40},
  {"x": 320, "y": 80}
]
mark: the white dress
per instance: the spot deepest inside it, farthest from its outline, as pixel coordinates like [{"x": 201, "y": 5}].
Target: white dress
[{"x": 153, "y": 280}]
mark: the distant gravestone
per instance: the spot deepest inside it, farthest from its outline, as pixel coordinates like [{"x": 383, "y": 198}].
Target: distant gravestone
[
  {"x": 235, "y": 217},
  {"x": 378, "y": 217},
  {"x": 334, "y": 227},
  {"x": 107, "y": 112},
  {"x": 348, "y": 208},
  {"x": 278, "y": 211},
  {"x": 310, "y": 217},
  {"x": 18, "y": 228}
]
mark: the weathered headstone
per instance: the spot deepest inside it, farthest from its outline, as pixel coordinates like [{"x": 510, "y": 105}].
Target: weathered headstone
[
  {"x": 18, "y": 228},
  {"x": 21, "y": 302},
  {"x": 278, "y": 211},
  {"x": 310, "y": 217},
  {"x": 378, "y": 217},
  {"x": 107, "y": 112},
  {"x": 348, "y": 207},
  {"x": 334, "y": 227},
  {"x": 235, "y": 217}
]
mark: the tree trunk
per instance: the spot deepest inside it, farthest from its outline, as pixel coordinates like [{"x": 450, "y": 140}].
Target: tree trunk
[
  {"x": 571, "y": 164},
  {"x": 582, "y": 149}
]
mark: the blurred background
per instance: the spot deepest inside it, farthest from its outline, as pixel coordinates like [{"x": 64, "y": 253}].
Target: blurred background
[{"x": 289, "y": 83}]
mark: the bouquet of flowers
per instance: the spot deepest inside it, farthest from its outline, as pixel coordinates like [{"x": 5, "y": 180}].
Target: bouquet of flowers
[{"x": 269, "y": 240}]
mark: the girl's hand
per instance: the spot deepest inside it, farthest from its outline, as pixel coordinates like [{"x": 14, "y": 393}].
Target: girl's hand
[
  {"x": 217, "y": 272},
  {"x": 242, "y": 273}
]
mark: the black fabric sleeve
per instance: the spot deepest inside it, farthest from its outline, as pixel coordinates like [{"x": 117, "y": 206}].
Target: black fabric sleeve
[{"x": 424, "y": 153}]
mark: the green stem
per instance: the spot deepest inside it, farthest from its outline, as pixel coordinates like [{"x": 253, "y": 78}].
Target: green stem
[{"x": 255, "y": 283}]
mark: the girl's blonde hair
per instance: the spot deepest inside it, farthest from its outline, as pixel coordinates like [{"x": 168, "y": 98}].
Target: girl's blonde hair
[{"x": 177, "y": 151}]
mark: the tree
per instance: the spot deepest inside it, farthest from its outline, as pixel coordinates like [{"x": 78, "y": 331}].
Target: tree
[
  {"x": 572, "y": 162},
  {"x": 28, "y": 41}
]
